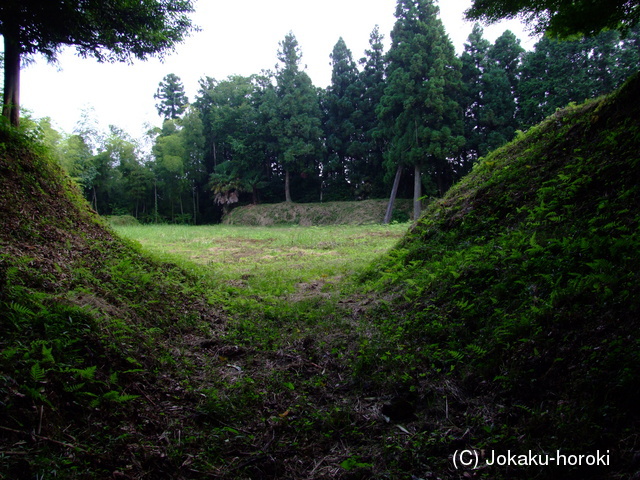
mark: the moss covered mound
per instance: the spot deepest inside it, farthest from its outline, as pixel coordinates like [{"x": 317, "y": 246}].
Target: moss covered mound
[
  {"x": 87, "y": 327},
  {"x": 520, "y": 290},
  {"x": 307, "y": 214}
]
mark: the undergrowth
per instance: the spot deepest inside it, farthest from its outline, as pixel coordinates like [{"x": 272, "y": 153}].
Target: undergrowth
[
  {"x": 82, "y": 315},
  {"x": 504, "y": 321},
  {"x": 521, "y": 286}
]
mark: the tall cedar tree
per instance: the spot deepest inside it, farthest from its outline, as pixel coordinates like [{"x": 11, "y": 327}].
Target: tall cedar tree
[
  {"x": 474, "y": 64},
  {"x": 368, "y": 146},
  {"x": 297, "y": 122},
  {"x": 561, "y": 18},
  {"x": 340, "y": 106},
  {"x": 172, "y": 101},
  {"x": 490, "y": 76},
  {"x": 419, "y": 110},
  {"x": 557, "y": 72},
  {"x": 109, "y": 30},
  {"x": 500, "y": 80}
]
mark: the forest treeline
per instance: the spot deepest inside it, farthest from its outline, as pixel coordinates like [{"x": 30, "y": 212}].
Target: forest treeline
[{"x": 415, "y": 118}]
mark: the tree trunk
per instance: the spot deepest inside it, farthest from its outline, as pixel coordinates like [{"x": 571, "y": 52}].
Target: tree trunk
[
  {"x": 392, "y": 198},
  {"x": 95, "y": 200},
  {"x": 11, "y": 103},
  {"x": 155, "y": 200},
  {"x": 287, "y": 191},
  {"x": 193, "y": 198},
  {"x": 417, "y": 193}
]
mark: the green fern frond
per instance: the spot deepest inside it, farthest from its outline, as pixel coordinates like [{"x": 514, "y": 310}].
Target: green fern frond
[
  {"x": 88, "y": 373},
  {"x": 38, "y": 374}
]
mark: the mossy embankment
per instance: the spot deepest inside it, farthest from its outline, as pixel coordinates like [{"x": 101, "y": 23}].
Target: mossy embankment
[
  {"x": 363, "y": 212},
  {"x": 516, "y": 297},
  {"x": 90, "y": 331}
]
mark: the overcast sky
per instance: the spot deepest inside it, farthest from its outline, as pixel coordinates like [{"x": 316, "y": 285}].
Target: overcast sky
[{"x": 238, "y": 37}]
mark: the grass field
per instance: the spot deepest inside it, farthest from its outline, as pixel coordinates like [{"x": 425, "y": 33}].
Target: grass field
[{"x": 269, "y": 261}]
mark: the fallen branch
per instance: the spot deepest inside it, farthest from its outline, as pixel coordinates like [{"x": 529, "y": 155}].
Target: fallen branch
[{"x": 46, "y": 439}]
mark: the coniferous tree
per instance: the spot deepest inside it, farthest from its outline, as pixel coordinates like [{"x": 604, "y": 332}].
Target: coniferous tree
[
  {"x": 474, "y": 62},
  {"x": 368, "y": 145},
  {"x": 629, "y": 58},
  {"x": 490, "y": 77},
  {"x": 558, "y": 72},
  {"x": 172, "y": 99},
  {"x": 297, "y": 121},
  {"x": 500, "y": 80},
  {"x": 507, "y": 53},
  {"x": 340, "y": 104},
  {"x": 419, "y": 110},
  {"x": 613, "y": 59}
]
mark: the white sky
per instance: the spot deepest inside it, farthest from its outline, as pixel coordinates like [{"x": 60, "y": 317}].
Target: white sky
[{"x": 237, "y": 37}]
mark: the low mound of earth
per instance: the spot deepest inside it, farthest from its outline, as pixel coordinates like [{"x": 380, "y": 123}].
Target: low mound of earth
[{"x": 307, "y": 214}]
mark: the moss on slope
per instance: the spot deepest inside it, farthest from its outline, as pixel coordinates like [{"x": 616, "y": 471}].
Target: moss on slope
[
  {"x": 521, "y": 287},
  {"x": 88, "y": 331},
  {"x": 362, "y": 212}
]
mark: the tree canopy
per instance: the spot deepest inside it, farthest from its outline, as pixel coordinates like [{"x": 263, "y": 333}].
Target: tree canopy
[
  {"x": 109, "y": 30},
  {"x": 417, "y": 110},
  {"x": 562, "y": 18},
  {"x": 172, "y": 101}
]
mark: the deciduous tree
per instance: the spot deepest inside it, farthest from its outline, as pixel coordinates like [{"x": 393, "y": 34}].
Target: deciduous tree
[
  {"x": 561, "y": 18},
  {"x": 109, "y": 30}
]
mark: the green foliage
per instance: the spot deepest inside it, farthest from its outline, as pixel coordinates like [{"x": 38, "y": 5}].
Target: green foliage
[
  {"x": 30, "y": 27},
  {"x": 340, "y": 124},
  {"x": 573, "y": 71},
  {"x": 419, "y": 112},
  {"x": 562, "y": 19},
  {"x": 523, "y": 271},
  {"x": 240, "y": 131},
  {"x": 501, "y": 320},
  {"x": 354, "y": 462},
  {"x": 120, "y": 220},
  {"x": 296, "y": 123},
  {"x": 172, "y": 99},
  {"x": 80, "y": 319}
]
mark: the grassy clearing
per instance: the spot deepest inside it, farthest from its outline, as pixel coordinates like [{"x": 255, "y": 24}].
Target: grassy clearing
[{"x": 269, "y": 261}]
